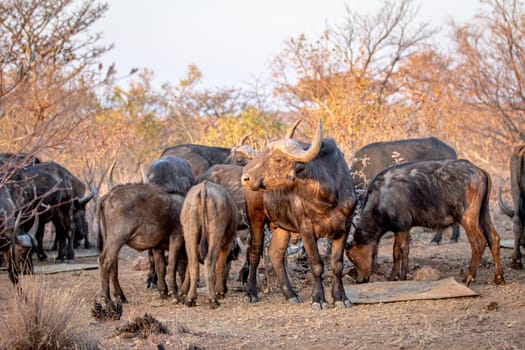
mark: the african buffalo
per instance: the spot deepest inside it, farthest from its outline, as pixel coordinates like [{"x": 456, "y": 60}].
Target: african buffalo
[
  {"x": 71, "y": 202},
  {"x": 369, "y": 160},
  {"x": 175, "y": 177},
  {"x": 10, "y": 161},
  {"x": 432, "y": 194},
  {"x": 51, "y": 187},
  {"x": 308, "y": 190},
  {"x": 202, "y": 157},
  {"x": 517, "y": 212},
  {"x": 142, "y": 216},
  {"x": 15, "y": 244},
  {"x": 209, "y": 218}
]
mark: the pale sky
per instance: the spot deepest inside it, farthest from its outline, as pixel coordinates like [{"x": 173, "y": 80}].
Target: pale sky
[{"x": 231, "y": 41}]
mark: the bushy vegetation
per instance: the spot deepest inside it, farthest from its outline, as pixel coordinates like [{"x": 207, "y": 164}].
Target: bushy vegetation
[{"x": 43, "y": 318}]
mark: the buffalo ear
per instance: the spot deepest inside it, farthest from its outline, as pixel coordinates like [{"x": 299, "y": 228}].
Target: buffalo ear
[{"x": 299, "y": 167}]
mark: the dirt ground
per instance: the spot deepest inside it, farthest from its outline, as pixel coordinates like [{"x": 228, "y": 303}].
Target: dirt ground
[{"x": 493, "y": 320}]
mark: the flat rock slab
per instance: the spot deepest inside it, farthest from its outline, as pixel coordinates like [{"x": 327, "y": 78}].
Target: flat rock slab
[
  {"x": 507, "y": 243},
  {"x": 62, "y": 267},
  {"x": 388, "y": 292},
  {"x": 79, "y": 253}
]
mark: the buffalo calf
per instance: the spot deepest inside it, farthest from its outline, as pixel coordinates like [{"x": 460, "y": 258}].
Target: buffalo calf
[
  {"x": 433, "y": 194},
  {"x": 142, "y": 216},
  {"x": 209, "y": 219}
]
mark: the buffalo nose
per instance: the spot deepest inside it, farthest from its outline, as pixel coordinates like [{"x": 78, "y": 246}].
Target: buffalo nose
[{"x": 245, "y": 178}]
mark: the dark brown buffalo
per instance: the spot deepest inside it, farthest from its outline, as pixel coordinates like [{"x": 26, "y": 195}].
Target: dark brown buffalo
[
  {"x": 141, "y": 216},
  {"x": 432, "y": 194},
  {"x": 15, "y": 244},
  {"x": 308, "y": 190},
  {"x": 369, "y": 160},
  {"x": 73, "y": 199},
  {"x": 51, "y": 191},
  {"x": 173, "y": 175},
  {"x": 517, "y": 212},
  {"x": 15, "y": 160},
  {"x": 209, "y": 219},
  {"x": 202, "y": 157}
]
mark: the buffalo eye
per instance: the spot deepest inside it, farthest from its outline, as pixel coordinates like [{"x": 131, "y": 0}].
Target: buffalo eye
[{"x": 299, "y": 167}]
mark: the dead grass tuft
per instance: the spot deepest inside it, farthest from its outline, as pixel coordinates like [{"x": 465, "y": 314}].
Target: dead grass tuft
[
  {"x": 42, "y": 317},
  {"x": 143, "y": 327}
]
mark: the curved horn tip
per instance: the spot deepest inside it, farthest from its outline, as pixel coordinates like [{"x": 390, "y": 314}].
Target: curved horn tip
[
  {"x": 144, "y": 175},
  {"x": 291, "y": 131}
]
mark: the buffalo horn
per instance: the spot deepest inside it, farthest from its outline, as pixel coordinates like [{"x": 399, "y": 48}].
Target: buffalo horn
[
  {"x": 504, "y": 208},
  {"x": 291, "y": 131},
  {"x": 26, "y": 240},
  {"x": 144, "y": 175},
  {"x": 82, "y": 201},
  {"x": 297, "y": 153},
  {"x": 243, "y": 139},
  {"x": 110, "y": 178}
]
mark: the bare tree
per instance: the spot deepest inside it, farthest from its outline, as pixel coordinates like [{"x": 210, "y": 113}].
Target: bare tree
[
  {"x": 347, "y": 76},
  {"x": 491, "y": 66},
  {"x": 48, "y": 64}
]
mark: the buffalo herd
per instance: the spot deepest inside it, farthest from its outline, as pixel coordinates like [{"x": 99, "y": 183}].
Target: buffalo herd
[{"x": 194, "y": 201}]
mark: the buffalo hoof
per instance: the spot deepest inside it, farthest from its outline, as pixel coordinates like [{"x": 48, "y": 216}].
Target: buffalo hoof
[
  {"x": 190, "y": 303},
  {"x": 318, "y": 306},
  {"x": 213, "y": 303},
  {"x": 220, "y": 296},
  {"x": 121, "y": 299},
  {"x": 516, "y": 265},
  {"x": 468, "y": 280},
  {"x": 343, "y": 304},
  {"x": 499, "y": 280},
  {"x": 250, "y": 299},
  {"x": 295, "y": 300},
  {"x": 178, "y": 298},
  {"x": 42, "y": 257}
]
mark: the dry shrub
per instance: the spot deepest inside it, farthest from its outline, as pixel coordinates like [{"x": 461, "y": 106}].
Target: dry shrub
[
  {"x": 43, "y": 318},
  {"x": 143, "y": 327}
]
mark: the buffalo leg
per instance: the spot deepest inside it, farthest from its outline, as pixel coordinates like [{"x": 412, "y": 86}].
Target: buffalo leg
[
  {"x": 477, "y": 243},
  {"x": 108, "y": 266},
  {"x": 317, "y": 266},
  {"x": 400, "y": 256},
  {"x": 518, "y": 231},
  {"x": 40, "y": 241},
  {"x": 277, "y": 253},
  {"x": 160, "y": 269},
  {"x": 455, "y": 233},
  {"x": 453, "y": 238},
  {"x": 175, "y": 247},
  {"x": 222, "y": 269},
  {"x": 210, "y": 263},
  {"x": 151, "y": 278},
  {"x": 336, "y": 261},
  {"x": 253, "y": 255},
  {"x": 493, "y": 240}
]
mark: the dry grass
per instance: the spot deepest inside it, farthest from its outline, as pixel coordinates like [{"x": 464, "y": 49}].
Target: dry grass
[{"x": 42, "y": 317}]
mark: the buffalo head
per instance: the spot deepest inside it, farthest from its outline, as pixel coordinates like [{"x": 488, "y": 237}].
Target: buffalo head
[
  {"x": 277, "y": 166},
  {"x": 363, "y": 256},
  {"x": 80, "y": 226}
]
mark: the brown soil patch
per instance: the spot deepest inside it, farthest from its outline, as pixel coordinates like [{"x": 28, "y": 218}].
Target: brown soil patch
[{"x": 492, "y": 320}]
